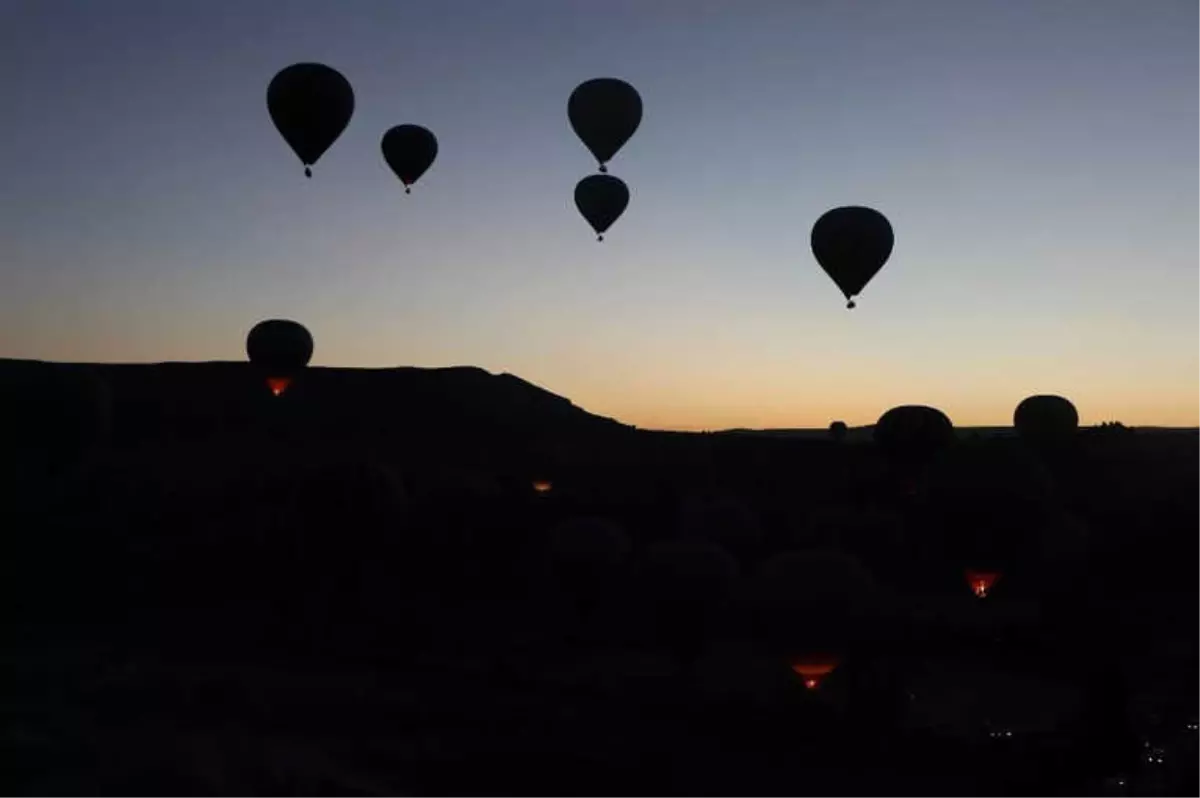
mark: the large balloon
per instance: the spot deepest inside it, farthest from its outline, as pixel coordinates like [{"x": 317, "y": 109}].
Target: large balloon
[
  {"x": 913, "y": 433},
  {"x": 280, "y": 348},
  {"x": 1045, "y": 419},
  {"x": 310, "y": 104},
  {"x": 852, "y": 244},
  {"x": 601, "y": 199},
  {"x": 605, "y": 113},
  {"x": 409, "y": 150}
]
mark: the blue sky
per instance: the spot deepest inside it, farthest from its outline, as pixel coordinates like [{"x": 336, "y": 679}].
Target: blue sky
[{"x": 1038, "y": 161}]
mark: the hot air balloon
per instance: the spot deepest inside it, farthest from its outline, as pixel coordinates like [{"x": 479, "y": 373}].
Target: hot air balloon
[
  {"x": 1045, "y": 419},
  {"x": 601, "y": 199},
  {"x": 310, "y": 104},
  {"x": 838, "y": 431},
  {"x": 806, "y": 602},
  {"x": 851, "y": 244},
  {"x": 913, "y": 434},
  {"x": 280, "y": 348},
  {"x": 812, "y": 668},
  {"x": 542, "y": 486},
  {"x": 409, "y": 150},
  {"x": 605, "y": 113},
  {"x": 981, "y": 582}
]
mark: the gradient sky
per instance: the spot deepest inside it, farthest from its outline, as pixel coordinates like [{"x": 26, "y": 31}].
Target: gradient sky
[{"x": 1037, "y": 159}]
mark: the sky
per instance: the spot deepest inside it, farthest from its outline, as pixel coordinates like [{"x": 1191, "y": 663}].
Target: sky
[{"x": 1038, "y": 162}]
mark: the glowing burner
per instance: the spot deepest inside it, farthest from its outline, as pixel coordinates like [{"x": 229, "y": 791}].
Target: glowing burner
[
  {"x": 814, "y": 668},
  {"x": 278, "y": 384},
  {"x": 542, "y": 486},
  {"x": 981, "y": 582}
]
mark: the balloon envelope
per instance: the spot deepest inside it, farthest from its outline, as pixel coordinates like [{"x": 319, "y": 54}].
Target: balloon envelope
[
  {"x": 279, "y": 346},
  {"x": 913, "y": 432},
  {"x": 601, "y": 199},
  {"x": 605, "y": 113},
  {"x": 851, "y": 244},
  {"x": 409, "y": 150},
  {"x": 310, "y": 104},
  {"x": 1047, "y": 418}
]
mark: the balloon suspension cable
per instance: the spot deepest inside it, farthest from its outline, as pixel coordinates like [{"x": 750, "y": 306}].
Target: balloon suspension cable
[
  {"x": 603, "y": 168},
  {"x": 307, "y": 172}
]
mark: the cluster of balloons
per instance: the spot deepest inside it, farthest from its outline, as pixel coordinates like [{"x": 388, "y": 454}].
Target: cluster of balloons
[
  {"x": 311, "y": 105},
  {"x": 604, "y": 113}
]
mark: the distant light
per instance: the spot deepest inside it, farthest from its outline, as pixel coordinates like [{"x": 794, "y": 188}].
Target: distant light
[
  {"x": 1008, "y": 734},
  {"x": 542, "y": 486}
]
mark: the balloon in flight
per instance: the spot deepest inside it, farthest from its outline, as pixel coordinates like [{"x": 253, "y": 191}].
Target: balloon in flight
[
  {"x": 601, "y": 199},
  {"x": 604, "y": 113},
  {"x": 310, "y": 104},
  {"x": 409, "y": 150},
  {"x": 852, "y": 244},
  {"x": 280, "y": 348}
]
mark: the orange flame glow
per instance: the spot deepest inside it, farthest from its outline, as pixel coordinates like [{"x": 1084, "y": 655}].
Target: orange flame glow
[
  {"x": 278, "y": 384},
  {"x": 814, "y": 668},
  {"x": 981, "y": 582},
  {"x": 542, "y": 486}
]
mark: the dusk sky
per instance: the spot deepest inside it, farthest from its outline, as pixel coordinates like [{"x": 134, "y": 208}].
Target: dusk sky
[{"x": 1037, "y": 159}]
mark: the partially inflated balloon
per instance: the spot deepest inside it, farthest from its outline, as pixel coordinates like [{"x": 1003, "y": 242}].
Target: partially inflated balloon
[
  {"x": 409, "y": 150},
  {"x": 605, "y": 113},
  {"x": 310, "y": 104},
  {"x": 280, "y": 348},
  {"x": 1045, "y": 419},
  {"x": 601, "y": 199},
  {"x": 913, "y": 435},
  {"x": 851, "y": 244}
]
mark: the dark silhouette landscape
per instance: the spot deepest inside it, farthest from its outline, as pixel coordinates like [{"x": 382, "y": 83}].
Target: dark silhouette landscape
[{"x": 443, "y": 581}]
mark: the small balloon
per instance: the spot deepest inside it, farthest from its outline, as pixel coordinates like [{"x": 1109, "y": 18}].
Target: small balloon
[
  {"x": 601, "y": 199},
  {"x": 604, "y": 113},
  {"x": 310, "y": 105},
  {"x": 852, "y": 244},
  {"x": 409, "y": 151}
]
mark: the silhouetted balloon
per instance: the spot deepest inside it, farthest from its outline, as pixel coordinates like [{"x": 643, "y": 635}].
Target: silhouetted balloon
[
  {"x": 913, "y": 432},
  {"x": 310, "y": 104},
  {"x": 838, "y": 430},
  {"x": 601, "y": 199},
  {"x": 280, "y": 348},
  {"x": 605, "y": 113},
  {"x": 1045, "y": 419},
  {"x": 409, "y": 150},
  {"x": 851, "y": 244},
  {"x": 814, "y": 601},
  {"x": 55, "y": 412},
  {"x": 687, "y": 571}
]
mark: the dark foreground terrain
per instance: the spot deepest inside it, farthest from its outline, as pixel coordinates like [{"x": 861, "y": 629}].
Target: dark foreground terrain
[{"x": 447, "y": 582}]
